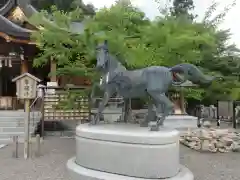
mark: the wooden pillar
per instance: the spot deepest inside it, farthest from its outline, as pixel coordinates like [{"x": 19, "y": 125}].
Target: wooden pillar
[
  {"x": 24, "y": 66},
  {"x": 53, "y": 69}
]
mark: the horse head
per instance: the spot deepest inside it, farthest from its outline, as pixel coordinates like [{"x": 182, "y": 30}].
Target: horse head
[{"x": 102, "y": 56}]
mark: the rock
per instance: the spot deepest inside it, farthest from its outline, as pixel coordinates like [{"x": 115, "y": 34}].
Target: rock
[
  {"x": 222, "y": 150},
  {"x": 226, "y": 141},
  {"x": 235, "y": 147},
  {"x": 205, "y": 145},
  {"x": 221, "y": 132},
  {"x": 212, "y": 140},
  {"x": 192, "y": 144},
  {"x": 204, "y": 134},
  {"x": 212, "y": 147},
  {"x": 207, "y": 124},
  {"x": 220, "y": 144},
  {"x": 197, "y": 147}
]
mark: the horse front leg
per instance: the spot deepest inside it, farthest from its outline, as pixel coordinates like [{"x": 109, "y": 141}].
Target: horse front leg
[
  {"x": 92, "y": 99},
  {"x": 107, "y": 94}
]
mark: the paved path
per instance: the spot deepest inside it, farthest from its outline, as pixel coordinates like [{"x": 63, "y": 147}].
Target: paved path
[{"x": 57, "y": 151}]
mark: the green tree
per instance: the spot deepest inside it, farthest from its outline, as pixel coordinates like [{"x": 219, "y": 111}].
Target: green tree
[
  {"x": 64, "y": 5},
  {"x": 224, "y": 61},
  {"x": 183, "y": 7},
  {"x": 71, "y": 51},
  {"x": 138, "y": 42},
  {"x": 166, "y": 41}
]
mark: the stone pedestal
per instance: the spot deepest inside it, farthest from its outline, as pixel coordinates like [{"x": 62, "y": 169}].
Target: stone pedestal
[{"x": 126, "y": 152}]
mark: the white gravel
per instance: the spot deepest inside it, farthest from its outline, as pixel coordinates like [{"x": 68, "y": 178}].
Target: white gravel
[{"x": 56, "y": 151}]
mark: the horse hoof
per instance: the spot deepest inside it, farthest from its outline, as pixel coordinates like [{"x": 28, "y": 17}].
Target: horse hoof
[{"x": 154, "y": 126}]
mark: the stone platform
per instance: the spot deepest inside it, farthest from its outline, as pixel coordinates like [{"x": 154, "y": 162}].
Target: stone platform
[
  {"x": 126, "y": 151},
  {"x": 80, "y": 173},
  {"x": 181, "y": 121}
]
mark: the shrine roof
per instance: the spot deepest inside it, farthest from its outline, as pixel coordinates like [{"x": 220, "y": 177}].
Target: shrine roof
[
  {"x": 14, "y": 15},
  {"x": 12, "y": 30}
]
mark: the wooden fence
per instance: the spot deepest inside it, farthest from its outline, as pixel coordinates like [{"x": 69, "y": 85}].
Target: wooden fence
[{"x": 57, "y": 107}]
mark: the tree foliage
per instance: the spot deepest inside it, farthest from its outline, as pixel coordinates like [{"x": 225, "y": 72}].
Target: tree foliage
[
  {"x": 225, "y": 60},
  {"x": 55, "y": 40},
  {"x": 138, "y": 42},
  {"x": 182, "y": 8},
  {"x": 64, "y": 5}
]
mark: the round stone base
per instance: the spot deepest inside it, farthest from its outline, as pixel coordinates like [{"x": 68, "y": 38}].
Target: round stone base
[
  {"x": 80, "y": 173},
  {"x": 128, "y": 150}
]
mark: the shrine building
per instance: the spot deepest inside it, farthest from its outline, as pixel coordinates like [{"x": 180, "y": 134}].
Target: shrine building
[{"x": 17, "y": 51}]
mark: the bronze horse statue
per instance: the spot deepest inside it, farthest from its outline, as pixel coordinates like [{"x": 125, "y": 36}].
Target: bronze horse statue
[{"x": 153, "y": 81}]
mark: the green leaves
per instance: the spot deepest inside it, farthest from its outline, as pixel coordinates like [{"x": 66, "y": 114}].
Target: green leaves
[
  {"x": 72, "y": 52},
  {"x": 139, "y": 42}
]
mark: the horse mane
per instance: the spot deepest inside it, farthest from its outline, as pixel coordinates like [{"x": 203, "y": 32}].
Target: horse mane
[{"x": 116, "y": 61}]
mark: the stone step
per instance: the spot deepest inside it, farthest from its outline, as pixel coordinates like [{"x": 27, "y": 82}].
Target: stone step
[
  {"x": 6, "y": 140},
  {"x": 14, "y": 129},
  {"x": 20, "y": 140},
  {"x": 18, "y": 124},
  {"x": 5, "y": 135},
  {"x": 11, "y": 124},
  {"x": 19, "y": 113},
  {"x": 8, "y": 118},
  {"x": 9, "y": 139},
  {"x": 11, "y": 119},
  {"x": 18, "y": 119},
  {"x": 9, "y": 136}
]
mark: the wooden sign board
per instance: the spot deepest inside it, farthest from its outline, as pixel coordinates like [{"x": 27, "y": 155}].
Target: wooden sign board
[{"x": 26, "y": 86}]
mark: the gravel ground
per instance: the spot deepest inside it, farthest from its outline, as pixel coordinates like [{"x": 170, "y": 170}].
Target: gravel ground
[{"x": 51, "y": 166}]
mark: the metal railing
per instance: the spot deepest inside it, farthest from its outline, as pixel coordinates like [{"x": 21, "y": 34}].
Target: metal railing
[{"x": 36, "y": 111}]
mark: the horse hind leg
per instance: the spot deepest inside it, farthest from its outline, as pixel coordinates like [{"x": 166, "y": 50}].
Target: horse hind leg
[
  {"x": 151, "y": 116},
  {"x": 164, "y": 108},
  {"x": 167, "y": 109}
]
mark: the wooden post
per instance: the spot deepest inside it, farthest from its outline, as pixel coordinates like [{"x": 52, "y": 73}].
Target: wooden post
[
  {"x": 26, "y": 128},
  {"x": 42, "y": 111},
  {"x": 24, "y": 66},
  {"x": 234, "y": 115},
  {"x": 38, "y": 146},
  {"x": 24, "y": 69},
  {"x": 182, "y": 105},
  {"x": 15, "y": 149},
  {"x": 53, "y": 69}
]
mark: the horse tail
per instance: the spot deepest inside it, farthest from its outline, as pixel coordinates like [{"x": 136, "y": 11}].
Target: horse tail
[{"x": 177, "y": 69}]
